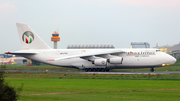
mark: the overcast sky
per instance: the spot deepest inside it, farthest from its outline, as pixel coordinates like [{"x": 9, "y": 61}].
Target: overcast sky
[{"x": 117, "y": 22}]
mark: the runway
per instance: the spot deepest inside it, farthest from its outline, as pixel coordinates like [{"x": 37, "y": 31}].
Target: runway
[{"x": 81, "y": 72}]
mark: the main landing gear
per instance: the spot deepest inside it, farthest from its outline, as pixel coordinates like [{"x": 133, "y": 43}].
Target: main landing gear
[
  {"x": 96, "y": 70},
  {"x": 152, "y": 70}
]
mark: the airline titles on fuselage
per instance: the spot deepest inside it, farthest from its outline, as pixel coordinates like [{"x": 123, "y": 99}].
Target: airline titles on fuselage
[{"x": 140, "y": 54}]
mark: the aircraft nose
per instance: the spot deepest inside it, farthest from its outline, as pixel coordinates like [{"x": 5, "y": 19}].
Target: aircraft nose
[{"x": 172, "y": 60}]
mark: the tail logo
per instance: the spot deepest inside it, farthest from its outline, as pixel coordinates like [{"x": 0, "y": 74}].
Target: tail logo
[{"x": 28, "y": 37}]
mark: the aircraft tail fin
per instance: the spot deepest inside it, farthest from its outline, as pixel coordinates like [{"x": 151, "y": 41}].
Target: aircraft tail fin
[{"x": 29, "y": 39}]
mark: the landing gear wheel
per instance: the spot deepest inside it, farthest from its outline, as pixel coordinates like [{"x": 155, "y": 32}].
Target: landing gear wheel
[
  {"x": 98, "y": 70},
  {"x": 86, "y": 69},
  {"x": 90, "y": 69},
  {"x": 94, "y": 69},
  {"x": 103, "y": 70},
  {"x": 152, "y": 70}
]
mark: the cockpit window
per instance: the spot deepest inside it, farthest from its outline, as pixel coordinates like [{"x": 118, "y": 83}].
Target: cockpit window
[{"x": 158, "y": 50}]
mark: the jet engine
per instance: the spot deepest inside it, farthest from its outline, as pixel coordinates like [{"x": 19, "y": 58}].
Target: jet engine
[
  {"x": 116, "y": 60},
  {"x": 100, "y": 62}
]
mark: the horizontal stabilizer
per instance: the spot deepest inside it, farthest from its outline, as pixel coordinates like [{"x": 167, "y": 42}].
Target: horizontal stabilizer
[{"x": 22, "y": 53}]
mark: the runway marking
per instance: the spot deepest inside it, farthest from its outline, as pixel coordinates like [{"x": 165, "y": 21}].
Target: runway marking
[{"x": 130, "y": 90}]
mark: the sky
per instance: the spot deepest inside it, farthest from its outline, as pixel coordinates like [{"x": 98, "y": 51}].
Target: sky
[{"x": 92, "y": 22}]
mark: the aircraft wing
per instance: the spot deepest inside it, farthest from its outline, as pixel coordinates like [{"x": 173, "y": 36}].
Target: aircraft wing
[{"x": 89, "y": 55}]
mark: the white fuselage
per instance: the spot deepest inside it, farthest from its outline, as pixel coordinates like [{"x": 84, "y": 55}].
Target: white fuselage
[{"x": 132, "y": 58}]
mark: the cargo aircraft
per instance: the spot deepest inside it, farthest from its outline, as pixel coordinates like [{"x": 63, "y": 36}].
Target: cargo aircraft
[{"x": 90, "y": 60}]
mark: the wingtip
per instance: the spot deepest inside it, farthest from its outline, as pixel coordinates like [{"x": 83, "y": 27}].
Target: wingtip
[{"x": 7, "y": 52}]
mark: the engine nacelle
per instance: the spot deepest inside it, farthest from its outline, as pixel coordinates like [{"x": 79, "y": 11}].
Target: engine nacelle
[
  {"x": 100, "y": 62},
  {"x": 116, "y": 60}
]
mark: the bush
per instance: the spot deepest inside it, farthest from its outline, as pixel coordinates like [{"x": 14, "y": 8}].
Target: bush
[{"x": 7, "y": 92}]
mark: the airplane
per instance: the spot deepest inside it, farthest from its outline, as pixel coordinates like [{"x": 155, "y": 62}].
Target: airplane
[
  {"x": 90, "y": 60},
  {"x": 6, "y": 62}
]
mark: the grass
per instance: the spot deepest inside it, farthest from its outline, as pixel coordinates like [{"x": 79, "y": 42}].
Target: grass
[
  {"x": 154, "y": 95},
  {"x": 81, "y": 87},
  {"x": 44, "y": 67},
  {"x": 98, "y": 87}
]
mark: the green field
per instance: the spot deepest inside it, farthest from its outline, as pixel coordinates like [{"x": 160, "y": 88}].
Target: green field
[{"x": 81, "y": 87}]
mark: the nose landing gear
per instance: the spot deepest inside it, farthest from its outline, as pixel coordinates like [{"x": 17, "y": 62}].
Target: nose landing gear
[{"x": 152, "y": 70}]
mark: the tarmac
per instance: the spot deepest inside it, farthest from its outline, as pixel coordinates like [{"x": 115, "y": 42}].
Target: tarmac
[{"x": 82, "y": 72}]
